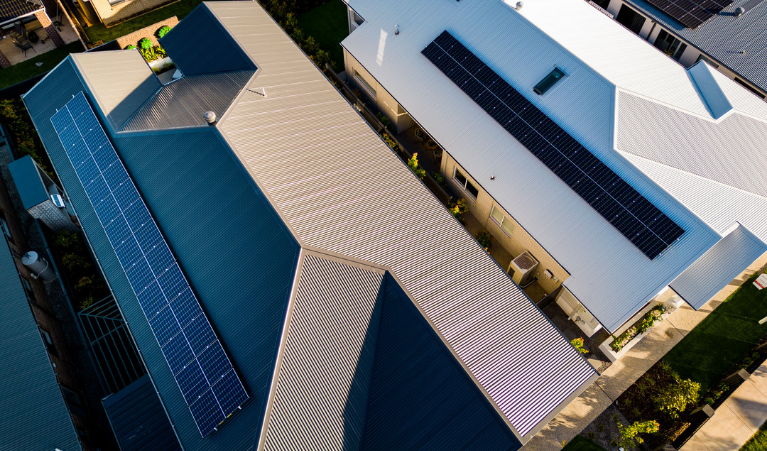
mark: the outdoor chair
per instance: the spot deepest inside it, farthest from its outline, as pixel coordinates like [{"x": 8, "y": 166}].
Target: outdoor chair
[{"x": 23, "y": 45}]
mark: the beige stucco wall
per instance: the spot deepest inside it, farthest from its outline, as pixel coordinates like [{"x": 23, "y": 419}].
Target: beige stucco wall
[
  {"x": 519, "y": 240},
  {"x": 111, "y": 15},
  {"x": 383, "y": 101}
]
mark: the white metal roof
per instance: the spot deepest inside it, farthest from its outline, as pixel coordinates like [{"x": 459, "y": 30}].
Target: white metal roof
[{"x": 610, "y": 276}]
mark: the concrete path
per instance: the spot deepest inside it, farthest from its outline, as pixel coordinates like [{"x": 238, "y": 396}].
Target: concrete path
[
  {"x": 623, "y": 373},
  {"x": 737, "y": 419}
]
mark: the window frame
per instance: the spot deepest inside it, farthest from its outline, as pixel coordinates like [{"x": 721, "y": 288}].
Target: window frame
[
  {"x": 365, "y": 85},
  {"x": 504, "y": 219},
  {"x": 464, "y": 185}
]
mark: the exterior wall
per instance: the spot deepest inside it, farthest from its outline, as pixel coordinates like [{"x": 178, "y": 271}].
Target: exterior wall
[
  {"x": 382, "y": 99},
  {"x": 519, "y": 241},
  {"x": 112, "y": 14}
]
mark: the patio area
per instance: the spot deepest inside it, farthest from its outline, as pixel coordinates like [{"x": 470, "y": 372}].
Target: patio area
[{"x": 16, "y": 55}]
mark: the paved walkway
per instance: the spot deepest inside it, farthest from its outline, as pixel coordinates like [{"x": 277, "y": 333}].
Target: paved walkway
[
  {"x": 737, "y": 419},
  {"x": 623, "y": 373}
]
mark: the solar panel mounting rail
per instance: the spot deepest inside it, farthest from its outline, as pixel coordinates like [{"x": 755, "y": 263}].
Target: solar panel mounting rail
[
  {"x": 206, "y": 378},
  {"x": 648, "y": 228}
]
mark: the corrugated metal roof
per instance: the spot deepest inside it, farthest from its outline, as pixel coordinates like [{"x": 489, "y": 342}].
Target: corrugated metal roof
[
  {"x": 321, "y": 388},
  {"x": 33, "y": 415},
  {"x": 608, "y": 274},
  {"x": 138, "y": 419},
  {"x": 28, "y": 182},
  {"x": 341, "y": 189},
  {"x": 718, "y": 266},
  {"x": 120, "y": 81},
  {"x": 738, "y": 42},
  {"x": 200, "y": 45},
  {"x": 184, "y": 102},
  {"x": 420, "y": 397},
  {"x": 234, "y": 249}
]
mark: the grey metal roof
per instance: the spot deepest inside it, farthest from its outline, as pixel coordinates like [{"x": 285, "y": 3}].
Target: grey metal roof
[
  {"x": 138, "y": 419},
  {"x": 120, "y": 81},
  {"x": 739, "y": 43},
  {"x": 28, "y": 182},
  {"x": 234, "y": 249},
  {"x": 33, "y": 415},
  {"x": 719, "y": 266},
  {"x": 321, "y": 386},
  {"x": 200, "y": 45},
  {"x": 282, "y": 171},
  {"x": 183, "y": 103},
  {"x": 342, "y": 190}
]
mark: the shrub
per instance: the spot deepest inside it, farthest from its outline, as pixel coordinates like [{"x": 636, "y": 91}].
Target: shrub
[
  {"x": 629, "y": 435},
  {"x": 384, "y": 120},
  {"x": 388, "y": 140},
  {"x": 160, "y": 52},
  {"x": 484, "y": 239},
  {"x": 644, "y": 324},
  {"x": 412, "y": 163},
  {"x": 439, "y": 178},
  {"x": 458, "y": 208},
  {"x": 85, "y": 303},
  {"x": 674, "y": 398},
  {"x": 130, "y": 47},
  {"x": 22, "y": 133},
  {"x": 578, "y": 345},
  {"x": 145, "y": 44},
  {"x": 592, "y": 435},
  {"x": 162, "y": 31},
  {"x": 601, "y": 427}
]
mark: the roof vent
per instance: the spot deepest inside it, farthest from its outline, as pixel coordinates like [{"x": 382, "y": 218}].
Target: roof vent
[
  {"x": 210, "y": 117},
  {"x": 57, "y": 200},
  {"x": 519, "y": 5},
  {"x": 739, "y": 11}
]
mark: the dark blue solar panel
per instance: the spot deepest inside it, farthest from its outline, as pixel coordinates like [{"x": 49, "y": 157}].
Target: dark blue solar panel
[
  {"x": 186, "y": 338},
  {"x": 635, "y": 217}
]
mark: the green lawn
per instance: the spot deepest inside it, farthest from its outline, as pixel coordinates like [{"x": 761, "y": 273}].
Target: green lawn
[
  {"x": 328, "y": 25},
  {"x": 179, "y": 9},
  {"x": 21, "y": 71},
  {"x": 722, "y": 339},
  {"x": 758, "y": 442},
  {"x": 581, "y": 443}
]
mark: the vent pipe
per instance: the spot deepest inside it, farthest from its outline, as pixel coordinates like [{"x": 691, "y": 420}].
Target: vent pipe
[
  {"x": 519, "y": 5},
  {"x": 210, "y": 117},
  {"x": 739, "y": 11}
]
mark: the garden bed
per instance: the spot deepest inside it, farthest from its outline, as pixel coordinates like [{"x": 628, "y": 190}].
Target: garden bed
[{"x": 616, "y": 347}]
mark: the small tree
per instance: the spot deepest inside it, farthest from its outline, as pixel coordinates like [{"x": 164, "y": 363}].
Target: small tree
[
  {"x": 458, "y": 209},
  {"x": 412, "y": 163},
  {"x": 675, "y": 397},
  {"x": 629, "y": 435},
  {"x": 484, "y": 239}
]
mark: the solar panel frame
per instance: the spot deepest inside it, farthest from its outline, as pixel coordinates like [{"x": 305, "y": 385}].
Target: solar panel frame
[
  {"x": 648, "y": 228},
  {"x": 185, "y": 336}
]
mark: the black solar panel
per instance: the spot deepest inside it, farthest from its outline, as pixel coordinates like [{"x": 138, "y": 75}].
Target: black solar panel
[
  {"x": 207, "y": 380},
  {"x": 628, "y": 211},
  {"x": 691, "y": 13}
]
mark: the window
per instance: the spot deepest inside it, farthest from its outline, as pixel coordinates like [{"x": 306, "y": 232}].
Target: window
[
  {"x": 465, "y": 183},
  {"x": 630, "y": 19},
  {"x": 670, "y": 45},
  {"x": 368, "y": 87},
  {"x": 48, "y": 341},
  {"x": 4, "y": 227},
  {"x": 602, "y": 3},
  {"x": 549, "y": 81},
  {"x": 503, "y": 221}
]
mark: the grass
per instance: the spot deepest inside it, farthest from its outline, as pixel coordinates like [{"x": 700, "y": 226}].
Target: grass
[
  {"x": 26, "y": 69},
  {"x": 723, "y": 339},
  {"x": 328, "y": 25},
  {"x": 179, "y": 9},
  {"x": 581, "y": 443},
  {"x": 758, "y": 442}
]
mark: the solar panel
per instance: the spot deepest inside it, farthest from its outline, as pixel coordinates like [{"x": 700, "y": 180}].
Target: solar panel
[
  {"x": 691, "y": 13},
  {"x": 628, "y": 211},
  {"x": 207, "y": 380}
]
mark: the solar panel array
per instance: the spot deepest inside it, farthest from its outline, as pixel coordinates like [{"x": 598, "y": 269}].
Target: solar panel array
[
  {"x": 691, "y": 13},
  {"x": 207, "y": 380},
  {"x": 628, "y": 211}
]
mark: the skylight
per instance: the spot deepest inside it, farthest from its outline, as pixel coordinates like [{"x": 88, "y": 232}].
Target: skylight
[{"x": 549, "y": 81}]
